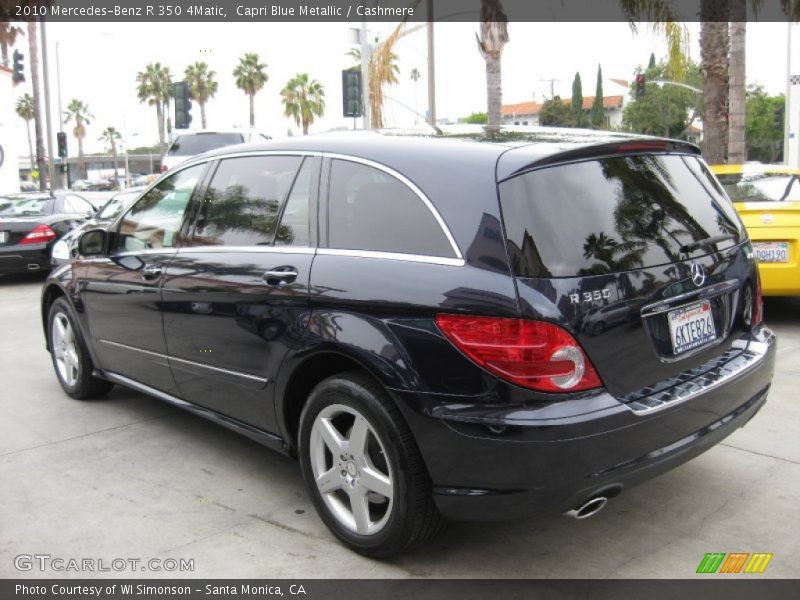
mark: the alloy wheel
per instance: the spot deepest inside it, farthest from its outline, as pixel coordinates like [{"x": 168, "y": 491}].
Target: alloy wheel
[{"x": 65, "y": 349}]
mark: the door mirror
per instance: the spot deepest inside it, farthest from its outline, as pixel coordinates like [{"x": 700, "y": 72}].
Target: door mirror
[{"x": 92, "y": 242}]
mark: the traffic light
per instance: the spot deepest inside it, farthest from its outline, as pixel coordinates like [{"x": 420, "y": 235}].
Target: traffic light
[
  {"x": 61, "y": 138},
  {"x": 351, "y": 93},
  {"x": 183, "y": 105},
  {"x": 640, "y": 84},
  {"x": 19, "y": 68}
]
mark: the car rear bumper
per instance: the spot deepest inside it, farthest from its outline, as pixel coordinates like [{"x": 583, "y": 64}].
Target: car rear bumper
[
  {"x": 779, "y": 279},
  {"x": 22, "y": 259},
  {"x": 495, "y": 462}
]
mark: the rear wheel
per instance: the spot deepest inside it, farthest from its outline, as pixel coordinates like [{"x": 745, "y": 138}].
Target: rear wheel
[
  {"x": 71, "y": 359},
  {"x": 363, "y": 469}
]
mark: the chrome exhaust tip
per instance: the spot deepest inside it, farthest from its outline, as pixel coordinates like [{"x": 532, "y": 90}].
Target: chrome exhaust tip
[{"x": 588, "y": 509}]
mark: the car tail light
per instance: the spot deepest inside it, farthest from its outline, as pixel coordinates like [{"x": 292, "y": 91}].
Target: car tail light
[
  {"x": 532, "y": 354},
  {"x": 758, "y": 302},
  {"x": 41, "y": 234}
]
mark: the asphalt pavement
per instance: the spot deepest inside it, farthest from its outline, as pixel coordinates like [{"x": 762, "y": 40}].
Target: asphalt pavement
[{"x": 130, "y": 478}]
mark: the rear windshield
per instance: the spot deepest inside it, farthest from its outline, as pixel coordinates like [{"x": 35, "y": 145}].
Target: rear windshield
[
  {"x": 761, "y": 187},
  {"x": 24, "y": 207},
  {"x": 189, "y": 145},
  {"x": 613, "y": 214}
]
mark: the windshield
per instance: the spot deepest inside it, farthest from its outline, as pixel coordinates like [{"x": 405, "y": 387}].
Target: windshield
[
  {"x": 614, "y": 214},
  {"x": 23, "y": 207},
  {"x": 116, "y": 205},
  {"x": 761, "y": 187},
  {"x": 189, "y": 145}
]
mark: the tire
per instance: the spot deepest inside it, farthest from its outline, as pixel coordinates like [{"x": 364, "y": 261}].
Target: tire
[
  {"x": 388, "y": 480},
  {"x": 71, "y": 360}
]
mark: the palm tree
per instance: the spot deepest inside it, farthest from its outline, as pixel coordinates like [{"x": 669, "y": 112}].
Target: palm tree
[
  {"x": 155, "y": 88},
  {"x": 25, "y": 110},
  {"x": 201, "y": 85},
  {"x": 250, "y": 75},
  {"x": 8, "y": 37},
  {"x": 303, "y": 100},
  {"x": 383, "y": 71},
  {"x": 493, "y": 38},
  {"x": 33, "y": 50},
  {"x": 111, "y": 136},
  {"x": 78, "y": 111}
]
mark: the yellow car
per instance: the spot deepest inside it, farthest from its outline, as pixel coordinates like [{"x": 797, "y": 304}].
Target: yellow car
[{"x": 767, "y": 198}]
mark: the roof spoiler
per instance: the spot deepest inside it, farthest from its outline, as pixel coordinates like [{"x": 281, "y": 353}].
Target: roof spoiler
[{"x": 615, "y": 148}]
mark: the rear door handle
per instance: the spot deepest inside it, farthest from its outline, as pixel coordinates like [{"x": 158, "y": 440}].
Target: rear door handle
[
  {"x": 150, "y": 272},
  {"x": 280, "y": 275}
]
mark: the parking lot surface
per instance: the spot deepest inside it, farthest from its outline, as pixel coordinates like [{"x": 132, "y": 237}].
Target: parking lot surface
[{"x": 129, "y": 477}]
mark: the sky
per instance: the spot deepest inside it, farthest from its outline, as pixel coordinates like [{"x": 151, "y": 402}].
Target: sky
[{"x": 99, "y": 62}]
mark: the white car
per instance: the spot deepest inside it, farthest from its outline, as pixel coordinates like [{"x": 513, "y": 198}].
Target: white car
[{"x": 191, "y": 143}]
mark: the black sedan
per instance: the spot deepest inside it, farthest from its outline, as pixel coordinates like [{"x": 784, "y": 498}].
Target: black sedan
[{"x": 30, "y": 224}]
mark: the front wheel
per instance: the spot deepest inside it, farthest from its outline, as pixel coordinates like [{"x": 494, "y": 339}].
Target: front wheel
[
  {"x": 363, "y": 469},
  {"x": 71, "y": 359}
]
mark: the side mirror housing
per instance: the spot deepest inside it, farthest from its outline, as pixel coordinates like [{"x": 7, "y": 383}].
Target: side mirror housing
[{"x": 93, "y": 242}]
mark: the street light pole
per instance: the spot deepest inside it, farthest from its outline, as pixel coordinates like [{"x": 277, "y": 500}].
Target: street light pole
[
  {"x": 786, "y": 112},
  {"x": 48, "y": 121},
  {"x": 65, "y": 176},
  {"x": 431, "y": 68},
  {"x": 365, "y": 58}
]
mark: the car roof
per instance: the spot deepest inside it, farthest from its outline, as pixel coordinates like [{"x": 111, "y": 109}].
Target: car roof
[{"x": 384, "y": 146}]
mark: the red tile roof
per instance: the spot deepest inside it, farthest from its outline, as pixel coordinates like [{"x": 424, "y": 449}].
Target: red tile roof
[{"x": 533, "y": 108}]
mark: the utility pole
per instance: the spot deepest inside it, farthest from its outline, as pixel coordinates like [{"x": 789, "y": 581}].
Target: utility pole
[
  {"x": 48, "y": 120},
  {"x": 552, "y": 87},
  {"x": 65, "y": 175},
  {"x": 365, "y": 58},
  {"x": 431, "y": 68},
  {"x": 786, "y": 112}
]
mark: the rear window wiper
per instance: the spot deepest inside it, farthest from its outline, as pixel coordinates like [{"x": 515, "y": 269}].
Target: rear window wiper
[{"x": 706, "y": 242}]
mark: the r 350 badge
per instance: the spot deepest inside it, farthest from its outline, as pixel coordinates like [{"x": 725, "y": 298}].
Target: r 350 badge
[{"x": 590, "y": 296}]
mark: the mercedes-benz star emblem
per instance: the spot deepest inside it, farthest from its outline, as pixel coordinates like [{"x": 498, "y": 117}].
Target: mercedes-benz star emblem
[{"x": 698, "y": 274}]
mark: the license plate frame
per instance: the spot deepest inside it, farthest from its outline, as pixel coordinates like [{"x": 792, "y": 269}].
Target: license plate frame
[
  {"x": 691, "y": 327},
  {"x": 764, "y": 251}
]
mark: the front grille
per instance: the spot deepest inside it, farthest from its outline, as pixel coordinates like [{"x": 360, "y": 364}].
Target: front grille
[{"x": 739, "y": 358}]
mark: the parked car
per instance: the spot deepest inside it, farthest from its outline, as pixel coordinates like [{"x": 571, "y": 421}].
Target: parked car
[
  {"x": 767, "y": 198},
  {"x": 191, "y": 143},
  {"x": 28, "y": 186},
  {"x": 65, "y": 249},
  {"x": 30, "y": 224},
  {"x": 407, "y": 316}
]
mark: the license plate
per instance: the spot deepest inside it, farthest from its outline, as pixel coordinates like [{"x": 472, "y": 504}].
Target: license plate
[
  {"x": 691, "y": 327},
  {"x": 3, "y": 237},
  {"x": 771, "y": 252}
]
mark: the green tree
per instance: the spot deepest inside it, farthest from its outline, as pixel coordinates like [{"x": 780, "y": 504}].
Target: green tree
[
  {"x": 478, "y": 118},
  {"x": 251, "y": 75},
  {"x": 303, "y": 100},
  {"x": 666, "y": 110},
  {"x": 578, "y": 115},
  {"x": 111, "y": 136},
  {"x": 8, "y": 37},
  {"x": 26, "y": 112},
  {"x": 202, "y": 86},
  {"x": 492, "y": 41},
  {"x": 556, "y": 113},
  {"x": 155, "y": 88},
  {"x": 78, "y": 112},
  {"x": 598, "y": 116},
  {"x": 764, "y": 136}
]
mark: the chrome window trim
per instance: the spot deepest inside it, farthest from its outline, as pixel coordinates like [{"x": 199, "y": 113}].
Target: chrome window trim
[
  {"x": 417, "y": 258},
  {"x": 262, "y": 380},
  {"x": 410, "y": 184},
  {"x": 248, "y": 249}
]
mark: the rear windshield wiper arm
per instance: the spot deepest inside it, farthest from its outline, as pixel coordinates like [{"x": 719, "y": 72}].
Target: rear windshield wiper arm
[{"x": 706, "y": 242}]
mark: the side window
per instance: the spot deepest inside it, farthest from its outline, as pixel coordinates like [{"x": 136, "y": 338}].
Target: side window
[
  {"x": 369, "y": 209},
  {"x": 293, "y": 230},
  {"x": 156, "y": 218},
  {"x": 74, "y": 204},
  {"x": 243, "y": 201}
]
